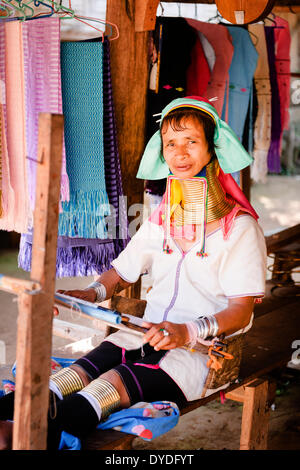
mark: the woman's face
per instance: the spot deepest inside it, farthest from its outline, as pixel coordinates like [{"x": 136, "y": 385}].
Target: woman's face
[{"x": 186, "y": 150}]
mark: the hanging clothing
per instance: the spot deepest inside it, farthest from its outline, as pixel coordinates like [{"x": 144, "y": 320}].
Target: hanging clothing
[
  {"x": 241, "y": 74},
  {"x": 82, "y": 92},
  {"x": 175, "y": 59},
  {"x": 219, "y": 37},
  {"x": 208, "y": 51},
  {"x": 41, "y": 42},
  {"x": 85, "y": 257},
  {"x": 262, "y": 124},
  {"x": 273, "y": 159},
  {"x": 17, "y": 218},
  {"x": 198, "y": 73},
  {"x": 283, "y": 69},
  {"x": 7, "y": 193}
]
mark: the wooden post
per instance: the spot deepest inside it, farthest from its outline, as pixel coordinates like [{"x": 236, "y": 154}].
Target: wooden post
[
  {"x": 255, "y": 418},
  {"x": 34, "y": 338},
  {"x": 129, "y": 68},
  {"x": 145, "y": 14}
]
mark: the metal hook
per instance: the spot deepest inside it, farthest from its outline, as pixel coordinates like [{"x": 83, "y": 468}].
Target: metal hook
[
  {"x": 162, "y": 9},
  {"x": 179, "y": 9}
]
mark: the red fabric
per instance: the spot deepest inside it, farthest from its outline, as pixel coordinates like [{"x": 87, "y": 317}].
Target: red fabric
[
  {"x": 220, "y": 39},
  {"x": 282, "y": 55},
  {"x": 198, "y": 73}
]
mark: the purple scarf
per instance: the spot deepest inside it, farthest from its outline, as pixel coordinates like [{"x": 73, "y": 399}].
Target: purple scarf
[{"x": 41, "y": 40}]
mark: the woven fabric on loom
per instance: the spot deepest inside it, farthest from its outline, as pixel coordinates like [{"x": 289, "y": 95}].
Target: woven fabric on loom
[
  {"x": 41, "y": 42},
  {"x": 82, "y": 92},
  {"x": 81, "y": 256}
]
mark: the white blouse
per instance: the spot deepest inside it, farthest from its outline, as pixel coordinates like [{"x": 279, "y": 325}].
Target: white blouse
[{"x": 186, "y": 286}]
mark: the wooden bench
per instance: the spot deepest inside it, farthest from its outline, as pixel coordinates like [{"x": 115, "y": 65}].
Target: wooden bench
[{"x": 268, "y": 346}]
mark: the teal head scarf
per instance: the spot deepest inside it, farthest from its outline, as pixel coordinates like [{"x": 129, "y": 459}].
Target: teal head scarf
[{"x": 230, "y": 152}]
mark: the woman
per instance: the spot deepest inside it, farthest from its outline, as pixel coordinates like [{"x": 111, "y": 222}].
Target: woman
[{"x": 206, "y": 255}]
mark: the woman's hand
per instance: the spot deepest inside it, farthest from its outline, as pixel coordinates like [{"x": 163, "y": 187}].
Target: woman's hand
[
  {"x": 88, "y": 294},
  {"x": 178, "y": 335}
]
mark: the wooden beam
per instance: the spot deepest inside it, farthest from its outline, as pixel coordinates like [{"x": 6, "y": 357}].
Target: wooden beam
[
  {"x": 34, "y": 337},
  {"x": 281, "y": 239},
  {"x": 145, "y": 14},
  {"x": 255, "y": 418},
  {"x": 129, "y": 68},
  {"x": 16, "y": 286},
  {"x": 280, "y": 3}
]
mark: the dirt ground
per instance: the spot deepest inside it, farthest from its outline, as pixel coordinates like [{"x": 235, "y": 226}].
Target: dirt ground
[{"x": 215, "y": 426}]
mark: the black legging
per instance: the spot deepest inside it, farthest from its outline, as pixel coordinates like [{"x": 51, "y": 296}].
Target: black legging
[{"x": 141, "y": 376}]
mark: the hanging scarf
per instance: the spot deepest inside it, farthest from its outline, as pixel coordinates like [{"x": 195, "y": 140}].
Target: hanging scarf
[
  {"x": 82, "y": 91},
  {"x": 41, "y": 40},
  {"x": 224, "y": 204},
  {"x": 113, "y": 176}
]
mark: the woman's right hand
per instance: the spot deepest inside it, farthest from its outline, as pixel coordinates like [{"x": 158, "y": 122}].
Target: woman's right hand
[{"x": 89, "y": 294}]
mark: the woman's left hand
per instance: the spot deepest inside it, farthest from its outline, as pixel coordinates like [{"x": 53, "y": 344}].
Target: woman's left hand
[{"x": 166, "y": 335}]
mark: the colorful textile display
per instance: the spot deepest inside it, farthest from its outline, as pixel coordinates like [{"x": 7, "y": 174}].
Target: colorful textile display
[
  {"x": 41, "y": 42},
  {"x": 219, "y": 37},
  {"x": 274, "y": 150},
  {"x": 17, "y": 217},
  {"x": 85, "y": 256},
  {"x": 82, "y": 90},
  {"x": 262, "y": 124}
]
